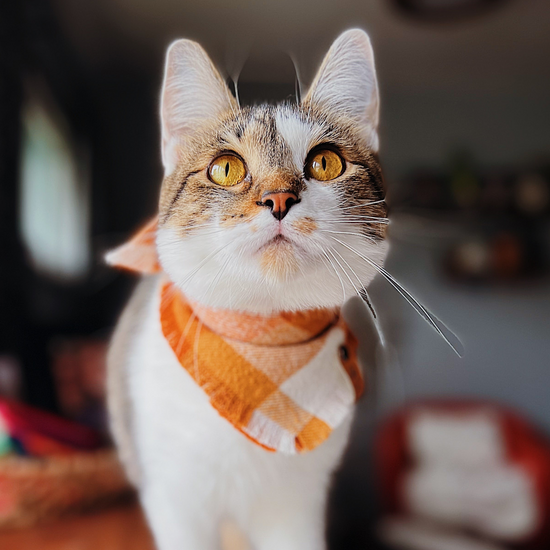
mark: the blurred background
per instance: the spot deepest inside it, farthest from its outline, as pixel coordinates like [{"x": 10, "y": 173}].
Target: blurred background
[{"x": 465, "y": 145}]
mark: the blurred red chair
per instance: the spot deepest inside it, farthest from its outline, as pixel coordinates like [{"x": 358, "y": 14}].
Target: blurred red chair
[{"x": 467, "y": 467}]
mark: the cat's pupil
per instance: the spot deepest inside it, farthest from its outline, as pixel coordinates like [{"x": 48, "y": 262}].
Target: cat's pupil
[
  {"x": 226, "y": 169},
  {"x": 324, "y": 162}
]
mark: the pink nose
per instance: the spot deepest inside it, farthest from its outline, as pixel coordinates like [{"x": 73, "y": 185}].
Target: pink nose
[{"x": 279, "y": 202}]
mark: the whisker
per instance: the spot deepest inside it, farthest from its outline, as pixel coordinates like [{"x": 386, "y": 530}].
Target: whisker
[
  {"x": 240, "y": 253},
  {"x": 361, "y": 292},
  {"x": 209, "y": 224},
  {"x": 343, "y": 271},
  {"x": 301, "y": 269},
  {"x": 364, "y": 295},
  {"x": 203, "y": 262},
  {"x": 335, "y": 271},
  {"x": 362, "y": 216},
  {"x": 338, "y": 275},
  {"x": 196, "y": 351},
  {"x": 236, "y": 84},
  {"x": 212, "y": 232},
  {"x": 206, "y": 230},
  {"x": 297, "y": 79},
  {"x": 368, "y": 219},
  {"x": 445, "y": 332},
  {"x": 347, "y": 233},
  {"x": 364, "y": 204},
  {"x": 214, "y": 281},
  {"x": 184, "y": 333}
]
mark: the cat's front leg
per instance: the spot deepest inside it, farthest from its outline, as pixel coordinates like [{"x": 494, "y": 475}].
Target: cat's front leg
[
  {"x": 293, "y": 522},
  {"x": 179, "y": 521},
  {"x": 289, "y": 512}
]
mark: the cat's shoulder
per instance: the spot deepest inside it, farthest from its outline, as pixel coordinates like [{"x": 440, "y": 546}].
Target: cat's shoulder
[{"x": 137, "y": 314}]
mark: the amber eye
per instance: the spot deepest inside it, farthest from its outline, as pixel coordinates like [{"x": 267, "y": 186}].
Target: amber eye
[
  {"x": 324, "y": 165},
  {"x": 227, "y": 170}
]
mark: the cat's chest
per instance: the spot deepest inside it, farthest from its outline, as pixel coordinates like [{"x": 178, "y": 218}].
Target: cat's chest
[
  {"x": 181, "y": 439},
  {"x": 173, "y": 415}
]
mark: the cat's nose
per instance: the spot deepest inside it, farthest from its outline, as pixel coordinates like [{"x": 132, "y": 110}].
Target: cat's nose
[{"x": 280, "y": 202}]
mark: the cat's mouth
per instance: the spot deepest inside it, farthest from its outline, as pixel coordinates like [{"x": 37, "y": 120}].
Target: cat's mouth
[
  {"x": 278, "y": 239},
  {"x": 279, "y": 243},
  {"x": 280, "y": 248}
]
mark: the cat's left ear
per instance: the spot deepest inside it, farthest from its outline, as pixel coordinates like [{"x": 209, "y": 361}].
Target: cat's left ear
[
  {"x": 192, "y": 92},
  {"x": 346, "y": 83}
]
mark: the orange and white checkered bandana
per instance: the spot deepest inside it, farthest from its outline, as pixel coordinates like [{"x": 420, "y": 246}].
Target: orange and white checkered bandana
[{"x": 285, "y": 381}]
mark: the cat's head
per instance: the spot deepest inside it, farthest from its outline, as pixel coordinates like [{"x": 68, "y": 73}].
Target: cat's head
[{"x": 269, "y": 208}]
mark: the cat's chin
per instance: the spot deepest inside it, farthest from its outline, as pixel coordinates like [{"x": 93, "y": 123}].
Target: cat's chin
[{"x": 278, "y": 261}]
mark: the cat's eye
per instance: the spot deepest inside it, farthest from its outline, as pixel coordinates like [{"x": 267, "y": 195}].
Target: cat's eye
[
  {"x": 324, "y": 165},
  {"x": 227, "y": 170}
]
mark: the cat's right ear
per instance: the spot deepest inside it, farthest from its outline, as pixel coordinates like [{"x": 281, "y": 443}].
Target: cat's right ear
[
  {"x": 346, "y": 83},
  {"x": 192, "y": 92}
]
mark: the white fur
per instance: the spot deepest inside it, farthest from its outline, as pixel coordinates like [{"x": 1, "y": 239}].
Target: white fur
[
  {"x": 192, "y": 467},
  {"x": 299, "y": 135}
]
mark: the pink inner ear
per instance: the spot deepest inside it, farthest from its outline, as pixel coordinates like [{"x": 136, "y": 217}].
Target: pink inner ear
[{"x": 139, "y": 253}]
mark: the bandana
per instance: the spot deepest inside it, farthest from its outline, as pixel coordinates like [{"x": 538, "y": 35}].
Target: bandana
[{"x": 285, "y": 381}]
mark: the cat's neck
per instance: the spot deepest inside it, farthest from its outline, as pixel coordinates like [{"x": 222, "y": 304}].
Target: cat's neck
[{"x": 267, "y": 301}]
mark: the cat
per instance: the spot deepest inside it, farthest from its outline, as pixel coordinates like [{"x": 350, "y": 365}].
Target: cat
[{"x": 263, "y": 209}]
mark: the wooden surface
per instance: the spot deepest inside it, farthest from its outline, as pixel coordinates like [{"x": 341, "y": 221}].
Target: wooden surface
[{"x": 120, "y": 528}]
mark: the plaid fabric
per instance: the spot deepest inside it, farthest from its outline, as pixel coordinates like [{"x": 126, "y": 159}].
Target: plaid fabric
[{"x": 285, "y": 381}]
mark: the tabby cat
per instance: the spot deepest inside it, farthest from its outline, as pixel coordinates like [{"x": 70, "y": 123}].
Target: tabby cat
[{"x": 270, "y": 217}]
